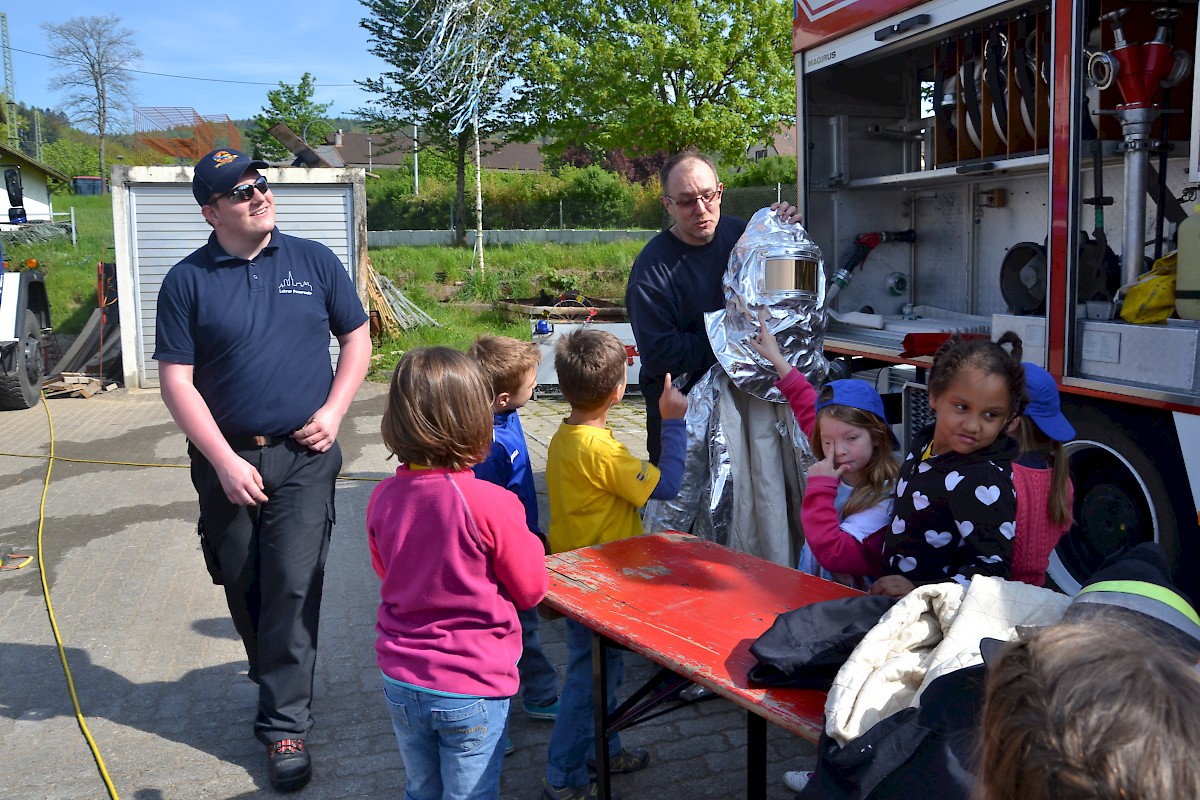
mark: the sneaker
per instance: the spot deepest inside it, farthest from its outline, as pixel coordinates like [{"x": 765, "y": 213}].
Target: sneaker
[
  {"x": 289, "y": 765},
  {"x": 694, "y": 691},
  {"x": 796, "y": 781},
  {"x": 589, "y": 792},
  {"x": 548, "y": 711},
  {"x": 622, "y": 763},
  {"x": 509, "y": 747}
]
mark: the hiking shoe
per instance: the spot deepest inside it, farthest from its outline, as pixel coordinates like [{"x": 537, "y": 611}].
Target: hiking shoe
[
  {"x": 622, "y": 763},
  {"x": 288, "y": 765},
  {"x": 548, "y": 711},
  {"x": 796, "y": 781},
  {"x": 589, "y": 792}
]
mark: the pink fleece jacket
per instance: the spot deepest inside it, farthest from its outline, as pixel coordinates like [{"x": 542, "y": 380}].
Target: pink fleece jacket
[
  {"x": 455, "y": 556},
  {"x": 835, "y": 549}
]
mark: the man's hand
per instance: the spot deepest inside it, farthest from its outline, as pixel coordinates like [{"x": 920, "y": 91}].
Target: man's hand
[
  {"x": 787, "y": 212},
  {"x": 825, "y": 468},
  {"x": 892, "y": 586},
  {"x": 321, "y": 430},
  {"x": 241, "y": 481},
  {"x": 673, "y": 403}
]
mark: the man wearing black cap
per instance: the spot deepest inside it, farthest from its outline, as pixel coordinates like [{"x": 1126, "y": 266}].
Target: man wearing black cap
[{"x": 243, "y": 330}]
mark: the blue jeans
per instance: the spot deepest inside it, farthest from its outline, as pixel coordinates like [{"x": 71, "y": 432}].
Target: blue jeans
[
  {"x": 574, "y": 737},
  {"x": 451, "y": 746},
  {"x": 539, "y": 679}
]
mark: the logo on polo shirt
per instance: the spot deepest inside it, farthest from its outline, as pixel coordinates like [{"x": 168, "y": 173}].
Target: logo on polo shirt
[{"x": 290, "y": 285}]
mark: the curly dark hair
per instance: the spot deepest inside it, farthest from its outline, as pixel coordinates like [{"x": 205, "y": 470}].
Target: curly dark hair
[{"x": 990, "y": 358}]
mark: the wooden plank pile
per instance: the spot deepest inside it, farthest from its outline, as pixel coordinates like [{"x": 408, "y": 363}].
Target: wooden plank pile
[
  {"x": 396, "y": 312},
  {"x": 75, "y": 384}
]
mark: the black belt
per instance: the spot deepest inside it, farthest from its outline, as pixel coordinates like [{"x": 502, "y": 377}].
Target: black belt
[{"x": 248, "y": 442}]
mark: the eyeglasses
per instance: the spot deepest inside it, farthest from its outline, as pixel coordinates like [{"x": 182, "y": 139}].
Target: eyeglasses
[
  {"x": 240, "y": 194},
  {"x": 707, "y": 199}
]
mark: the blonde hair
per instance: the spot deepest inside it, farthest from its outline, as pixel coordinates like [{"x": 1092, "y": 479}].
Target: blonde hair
[
  {"x": 591, "y": 364},
  {"x": 1030, "y": 439},
  {"x": 505, "y": 361},
  {"x": 438, "y": 410},
  {"x": 879, "y": 475},
  {"x": 1090, "y": 712}
]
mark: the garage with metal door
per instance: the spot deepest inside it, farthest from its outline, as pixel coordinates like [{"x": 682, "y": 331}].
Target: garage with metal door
[{"x": 156, "y": 223}]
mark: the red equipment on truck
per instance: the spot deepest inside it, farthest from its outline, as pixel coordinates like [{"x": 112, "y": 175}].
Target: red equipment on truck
[{"x": 988, "y": 128}]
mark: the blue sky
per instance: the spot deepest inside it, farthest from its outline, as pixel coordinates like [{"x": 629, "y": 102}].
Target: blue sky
[{"x": 239, "y": 58}]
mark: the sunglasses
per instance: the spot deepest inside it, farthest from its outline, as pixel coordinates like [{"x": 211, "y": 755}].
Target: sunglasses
[{"x": 241, "y": 194}]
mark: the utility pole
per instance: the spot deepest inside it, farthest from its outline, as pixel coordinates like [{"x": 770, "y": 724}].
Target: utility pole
[
  {"x": 10, "y": 90},
  {"x": 370, "y": 161},
  {"x": 416, "y": 185}
]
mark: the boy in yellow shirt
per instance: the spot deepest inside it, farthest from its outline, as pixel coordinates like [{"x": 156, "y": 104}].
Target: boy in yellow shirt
[{"x": 596, "y": 487}]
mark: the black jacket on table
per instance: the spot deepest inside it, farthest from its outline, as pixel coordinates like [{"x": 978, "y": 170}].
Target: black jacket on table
[{"x": 955, "y": 515}]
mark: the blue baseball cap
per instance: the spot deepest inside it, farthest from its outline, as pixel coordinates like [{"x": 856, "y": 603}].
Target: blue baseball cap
[
  {"x": 854, "y": 393},
  {"x": 1044, "y": 409},
  {"x": 219, "y": 171}
]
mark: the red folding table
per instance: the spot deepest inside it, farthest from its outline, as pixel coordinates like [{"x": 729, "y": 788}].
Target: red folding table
[{"x": 694, "y": 608}]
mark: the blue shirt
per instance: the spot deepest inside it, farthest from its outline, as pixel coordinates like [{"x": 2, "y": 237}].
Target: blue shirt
[
  {"x": 257, "y": 332},
  {"x": 507, "y": 465}
]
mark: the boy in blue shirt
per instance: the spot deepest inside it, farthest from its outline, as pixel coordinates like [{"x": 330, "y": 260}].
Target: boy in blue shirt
[{"x": 511, "y": 367}]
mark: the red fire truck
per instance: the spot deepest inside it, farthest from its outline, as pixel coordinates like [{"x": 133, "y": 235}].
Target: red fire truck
[{"x": 974, "y": 166}]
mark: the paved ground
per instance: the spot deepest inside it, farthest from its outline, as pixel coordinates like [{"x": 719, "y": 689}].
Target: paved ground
[{"x": 156, "y": 664}]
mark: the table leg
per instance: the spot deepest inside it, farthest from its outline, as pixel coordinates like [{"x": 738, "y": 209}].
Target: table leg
[
  {"x": 600, "y": 704},
  {"x": 756, "y": 756}
]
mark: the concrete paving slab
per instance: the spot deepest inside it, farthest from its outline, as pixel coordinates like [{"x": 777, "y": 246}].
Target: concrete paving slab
[{"x": 158, "y": 669}]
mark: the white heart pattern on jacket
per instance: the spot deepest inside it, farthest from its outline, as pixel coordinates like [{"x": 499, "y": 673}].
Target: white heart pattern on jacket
[
  {"x": 952, "y": 480},
  {"x": 924, "y": 467},
  {"x": 987, "y": 494},
  {"x": 907, "y": 564},
  {"x": 990, "y": 559},
  {"x": 901, "y": 487},
  {"x": 1009, "y": 529},
  {"x": 897, "y": 525},
  {"x": 938, "y": 538},
  {"x": 920, "y": 501},
  {"x": 965, "y": 528}
]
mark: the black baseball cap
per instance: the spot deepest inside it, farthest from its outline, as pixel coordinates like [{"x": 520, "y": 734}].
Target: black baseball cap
[{"x": 219, "y": 171}]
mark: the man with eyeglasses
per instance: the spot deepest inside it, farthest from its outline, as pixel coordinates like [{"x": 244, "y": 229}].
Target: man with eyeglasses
[
  {"x": 677, "y": 277},
  {"x": 243, "y": 330}
]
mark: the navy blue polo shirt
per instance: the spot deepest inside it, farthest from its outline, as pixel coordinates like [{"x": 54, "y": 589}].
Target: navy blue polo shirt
[{"x": 257, "y": 332}]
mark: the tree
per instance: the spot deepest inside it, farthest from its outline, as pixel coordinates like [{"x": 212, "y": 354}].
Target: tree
[
  {"x": 294, "y": 106},
  {"x": 399, "y": 34},
  {"x": 656, "y": 75},
  {"x": 71, "y": 157},
  {"x": 93, "y": 58}
]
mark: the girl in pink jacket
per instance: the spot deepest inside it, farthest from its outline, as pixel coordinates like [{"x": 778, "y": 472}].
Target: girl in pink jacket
[
  {"x": 456, "y": 561},
  {"x": 848, "y": 498}
]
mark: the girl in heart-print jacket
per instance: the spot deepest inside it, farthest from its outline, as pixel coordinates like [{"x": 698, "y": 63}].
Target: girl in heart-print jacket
[{"x": 955, "y": 515}]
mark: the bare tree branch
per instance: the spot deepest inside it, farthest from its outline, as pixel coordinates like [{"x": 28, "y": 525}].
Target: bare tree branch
[{"x": 93, "y": 57}]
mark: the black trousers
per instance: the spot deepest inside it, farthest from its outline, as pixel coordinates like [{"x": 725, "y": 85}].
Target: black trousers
[{"x": 271, "y": 561}]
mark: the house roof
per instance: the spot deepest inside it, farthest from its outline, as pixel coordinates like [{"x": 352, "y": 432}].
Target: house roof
[
  {"x": 393, "y": 149},
  {"x": 7, "y": 153}
]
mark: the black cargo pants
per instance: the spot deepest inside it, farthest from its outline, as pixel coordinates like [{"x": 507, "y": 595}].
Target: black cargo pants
[{"x": 271, "y": 561}]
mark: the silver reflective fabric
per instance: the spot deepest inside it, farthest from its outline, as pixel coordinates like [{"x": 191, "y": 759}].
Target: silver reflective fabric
[
  {"x": 775, "y": 266},
  {"x": 730, "y": 445}
]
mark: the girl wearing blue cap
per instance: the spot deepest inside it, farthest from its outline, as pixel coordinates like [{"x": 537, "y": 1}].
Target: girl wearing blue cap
[
  {"x": 848, "y": 498},
  {"x": 1041, "y": 477}
]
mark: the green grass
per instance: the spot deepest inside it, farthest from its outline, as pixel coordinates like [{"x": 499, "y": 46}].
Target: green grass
[
  {"x": 71, "y": 270},
  {"x": 599, "y": 271}
]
